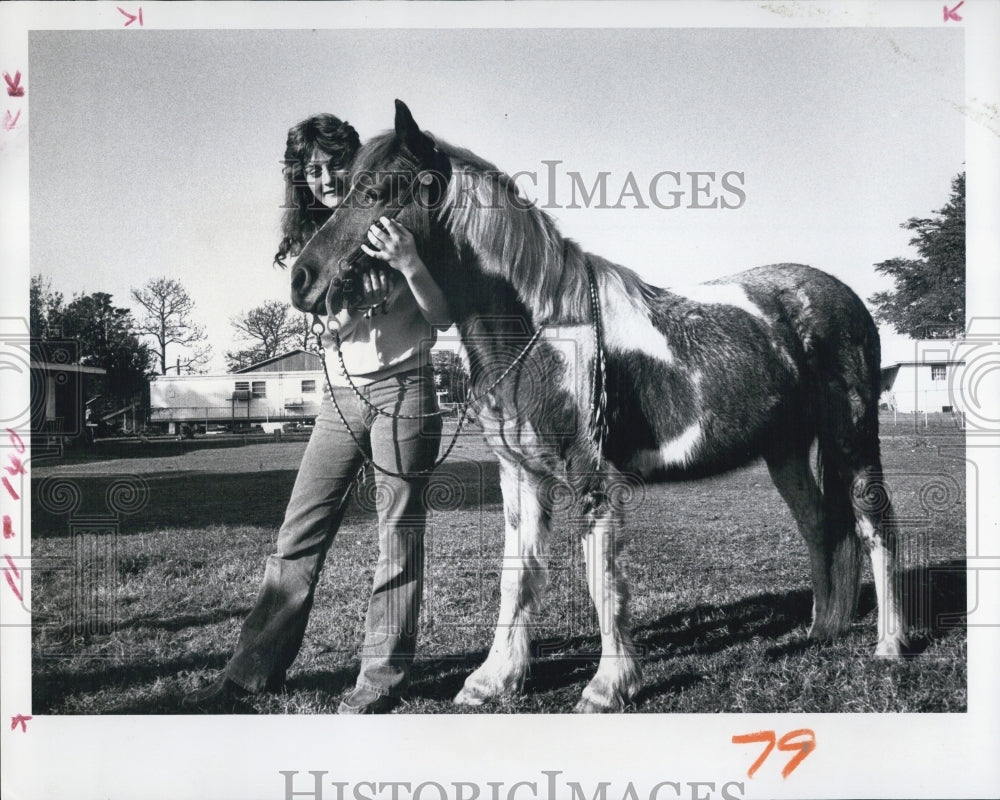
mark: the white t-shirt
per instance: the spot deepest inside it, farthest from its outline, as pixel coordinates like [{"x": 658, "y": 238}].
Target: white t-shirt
[{"x": 384, "y": 344}]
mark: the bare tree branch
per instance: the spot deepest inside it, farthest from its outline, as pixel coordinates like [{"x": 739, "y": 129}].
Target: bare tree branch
[{"x": 168, "y": 321}]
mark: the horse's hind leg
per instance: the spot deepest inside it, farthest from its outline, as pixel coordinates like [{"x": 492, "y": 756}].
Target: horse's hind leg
[
  {"x": 853, "y": 482},
  {"x": 522, "y": 583},
  {"x": 824, "y": 520},
  {"x": 853, "y": 500},
  {"x": 618, "y": 676},
  {"x": 876, "y": 527}
]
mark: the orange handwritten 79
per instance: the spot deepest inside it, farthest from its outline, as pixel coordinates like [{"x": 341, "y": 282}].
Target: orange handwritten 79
[{"x": 802, "y": 739}]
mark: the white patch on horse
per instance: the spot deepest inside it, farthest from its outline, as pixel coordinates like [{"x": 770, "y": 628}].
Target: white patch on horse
[
  {"x": 723, "y": 294},
  {"x": 679, "y": 451},
  {"x": 627, "y": 324}
]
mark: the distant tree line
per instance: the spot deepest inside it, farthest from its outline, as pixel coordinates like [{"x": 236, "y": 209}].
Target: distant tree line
[
  {"x": 928, "y": 299},
  {"x": 102, "y": 335},
  {"x": 107, "y": 336}
]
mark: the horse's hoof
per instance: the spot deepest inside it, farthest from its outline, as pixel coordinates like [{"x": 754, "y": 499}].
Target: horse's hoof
[
  {"x": 889, "y": 648},
  {"x": 585, "y": 706},
  {"x": 469, "y": 697}
]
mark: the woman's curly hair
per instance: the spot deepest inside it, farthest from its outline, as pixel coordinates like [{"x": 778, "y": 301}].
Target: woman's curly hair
[{"x": 304, "y": 214}]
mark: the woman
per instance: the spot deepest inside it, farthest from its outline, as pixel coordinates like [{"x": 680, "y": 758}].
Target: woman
[{"x": 388, "y": 357}]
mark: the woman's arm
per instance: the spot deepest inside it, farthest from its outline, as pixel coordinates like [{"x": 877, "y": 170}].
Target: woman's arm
[{"x": 395, "y": 244}]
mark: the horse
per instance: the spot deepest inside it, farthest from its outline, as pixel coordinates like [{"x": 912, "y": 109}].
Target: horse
[{"x": 779, "y": 362}]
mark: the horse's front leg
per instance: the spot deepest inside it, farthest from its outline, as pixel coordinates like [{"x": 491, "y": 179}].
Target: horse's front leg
[
  {"x": 618, "y": 675},
  {"x": 522, "y": 583}
]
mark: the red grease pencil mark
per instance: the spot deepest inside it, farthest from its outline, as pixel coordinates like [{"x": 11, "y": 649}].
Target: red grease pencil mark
[
  {"x": 16, "y": 440},
  {"x": 8, "y": 527},
  {"x": 10, "y": 580},
  {"x": 9, "y": 122},
  {"x": 9, "y": 488},
  {"x": 131, "y": 17},
  {"x": 14, "y": 88},
  {"x": 17, "y": 469},
  {"x": 949, "y": 13},
  {"x": 22, "y": 720}
]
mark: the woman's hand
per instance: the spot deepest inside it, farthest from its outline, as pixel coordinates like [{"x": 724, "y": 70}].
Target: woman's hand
[
  {"x": 391, "y": 242},
  {"x": 394, "y": 244},
  {"x": 376, "y": 286}
]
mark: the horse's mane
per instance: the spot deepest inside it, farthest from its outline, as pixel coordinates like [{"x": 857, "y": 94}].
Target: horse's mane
[{"x": 513, "y": 238}]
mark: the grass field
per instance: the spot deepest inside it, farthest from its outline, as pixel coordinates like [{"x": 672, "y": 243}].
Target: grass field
[{"x": 131, "y": 612}]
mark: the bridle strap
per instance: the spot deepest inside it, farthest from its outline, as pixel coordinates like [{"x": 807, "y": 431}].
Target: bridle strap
[{"x": 599, "y": 400}]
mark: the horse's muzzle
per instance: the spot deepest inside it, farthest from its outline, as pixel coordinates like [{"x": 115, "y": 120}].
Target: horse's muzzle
[{"x": 304, "y": 295}]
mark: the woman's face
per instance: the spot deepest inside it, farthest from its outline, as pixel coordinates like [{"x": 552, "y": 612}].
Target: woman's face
[{"x": 327, "y": 183}]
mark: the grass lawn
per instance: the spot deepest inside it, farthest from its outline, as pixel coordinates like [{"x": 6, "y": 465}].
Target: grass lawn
[{"x": 719, "y": 576}]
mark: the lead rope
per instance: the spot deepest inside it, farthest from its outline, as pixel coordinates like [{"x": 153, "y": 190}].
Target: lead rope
[{"x": 318, "y": 327}]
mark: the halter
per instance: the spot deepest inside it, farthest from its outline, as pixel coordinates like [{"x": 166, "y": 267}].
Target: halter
[{"x": 420, "y": 185}]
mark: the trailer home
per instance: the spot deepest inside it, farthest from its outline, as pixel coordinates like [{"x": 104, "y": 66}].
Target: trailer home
[
  {"x": 932, "y": 382},
  {"x": 285, "y": 388}
]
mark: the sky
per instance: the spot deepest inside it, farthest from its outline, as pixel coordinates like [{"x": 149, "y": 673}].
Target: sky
[{"x": 157, "y": 153}]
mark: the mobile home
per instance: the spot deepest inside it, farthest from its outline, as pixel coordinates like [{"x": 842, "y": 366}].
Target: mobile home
[{"x": 282, "y": 389}]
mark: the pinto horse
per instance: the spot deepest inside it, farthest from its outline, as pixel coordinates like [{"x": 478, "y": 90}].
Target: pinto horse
[{"x": 779, "y": 362}]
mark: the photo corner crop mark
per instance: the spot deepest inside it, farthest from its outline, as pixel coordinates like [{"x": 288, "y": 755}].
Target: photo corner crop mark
[
  {"x": 950, "y": 14},
  {"x": 14, "y": 88},
  {"x": 22, "y": 720},
  {"x": 130, "y": 18}
]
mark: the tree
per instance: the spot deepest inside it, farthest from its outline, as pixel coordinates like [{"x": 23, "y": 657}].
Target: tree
[
  {"x": 928, "y": 301},
  {"x": 44, "y": 308},
  {"x": 271, "y": 328},
  {"x": 240, "y": 359},
  {"x": 106, "y": 338},
  {"x": 168, "y": 322},
  {"x": 304, "y": 336},
  {"x": 450, "y": 375}
]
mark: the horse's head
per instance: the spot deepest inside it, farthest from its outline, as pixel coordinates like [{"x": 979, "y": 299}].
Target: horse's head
[{"x": 400, "y": 174}]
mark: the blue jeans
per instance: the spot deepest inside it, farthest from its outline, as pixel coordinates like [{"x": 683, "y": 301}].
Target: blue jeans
[{"x": 272, "y": 633}]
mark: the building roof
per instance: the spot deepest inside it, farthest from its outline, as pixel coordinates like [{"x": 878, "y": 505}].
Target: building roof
[
  {"x": 941, "y": 362},
  {"x": 48, "y": 366},
  {"x": 291, "y": 354}
]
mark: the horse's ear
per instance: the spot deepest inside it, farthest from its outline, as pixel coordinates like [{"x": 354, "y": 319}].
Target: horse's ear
[
  {"x": 409, "y": 133},
  {"x": 404, "y": 120}
]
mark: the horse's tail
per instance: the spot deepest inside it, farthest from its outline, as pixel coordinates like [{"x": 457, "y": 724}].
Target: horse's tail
[{"x": 842, "y": 347}]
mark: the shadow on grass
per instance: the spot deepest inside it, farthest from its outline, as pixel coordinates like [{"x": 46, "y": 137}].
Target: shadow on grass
[
  {"x": 934, "y": 601},
  {"x": 49, "y": 689},
  {"x": 255, "y": 497},
  {"x": 933, "y": 596},
  {"x": 182, "y": 621},
  {"x": 60, "y": 633}
]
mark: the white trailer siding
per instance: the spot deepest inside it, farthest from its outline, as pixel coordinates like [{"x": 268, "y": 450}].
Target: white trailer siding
[
  {"x": 245, "y": 398},
  {"x": 930, "y": 388}
]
